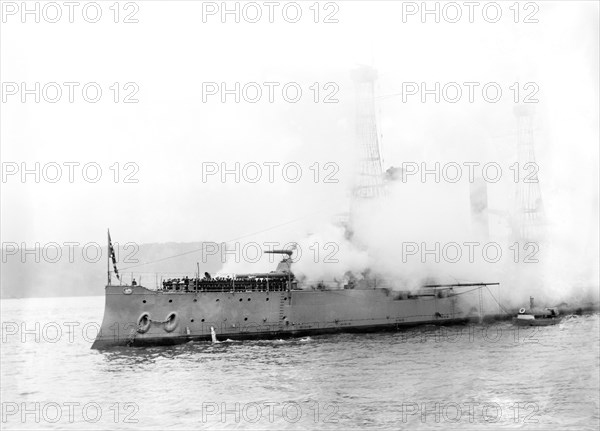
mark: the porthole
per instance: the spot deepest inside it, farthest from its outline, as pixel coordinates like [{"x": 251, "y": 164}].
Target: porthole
[
  {"x": 267, "y": 299},
  {"x": 144, "y": 301},
  {"x": 202, "y": 320},
  {"x": 241, "y": 299},
  {"x": 245, "y": 318},
  {"x": 170, "y": 300},
  {"x": 217, "y": 299},
  {"x": 191, "y": 320},
  {"x": 285, "y": 299},
  {"x": 249, "y": 299},
  {"x": 195, "y": 300}
]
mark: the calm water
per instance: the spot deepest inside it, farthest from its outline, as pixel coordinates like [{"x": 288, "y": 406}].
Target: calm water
[{"x": 467, "y": 377}]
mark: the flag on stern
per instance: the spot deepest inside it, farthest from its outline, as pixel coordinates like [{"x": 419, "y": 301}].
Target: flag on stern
[{"x": 111, "y": 252}]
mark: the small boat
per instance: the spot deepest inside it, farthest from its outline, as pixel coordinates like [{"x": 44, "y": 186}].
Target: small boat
[{"x": 537, "y": 317}]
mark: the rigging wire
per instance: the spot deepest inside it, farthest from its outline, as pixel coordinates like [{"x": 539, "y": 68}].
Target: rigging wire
[
  {"x": 226, "y": 242},
  {"x": 500, "y": 305}
]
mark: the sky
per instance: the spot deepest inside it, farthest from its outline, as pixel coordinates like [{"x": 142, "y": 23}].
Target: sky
[{"x": 177, "y": 128}]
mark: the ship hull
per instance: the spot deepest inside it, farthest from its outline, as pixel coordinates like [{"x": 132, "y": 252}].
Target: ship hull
[
  {"x": 138, "y": 316},
  {"x": 537, "y": 321}
]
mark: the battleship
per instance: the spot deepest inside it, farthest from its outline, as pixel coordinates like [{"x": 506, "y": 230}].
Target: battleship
[
  {"x": 277, "y": 304},
  {"x": 269, "y": 305}
]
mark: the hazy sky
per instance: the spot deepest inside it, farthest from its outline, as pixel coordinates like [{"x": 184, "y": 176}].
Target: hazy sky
[{"x": 171, "y": 132}]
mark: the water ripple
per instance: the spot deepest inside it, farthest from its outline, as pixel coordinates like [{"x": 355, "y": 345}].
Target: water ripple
[{"x": 421, "y": 378}]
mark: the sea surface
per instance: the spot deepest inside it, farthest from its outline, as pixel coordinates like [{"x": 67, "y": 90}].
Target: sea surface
[{"x": 476, "y": 377}]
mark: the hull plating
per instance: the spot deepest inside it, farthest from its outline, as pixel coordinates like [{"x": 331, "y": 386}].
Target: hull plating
[{"x": 138, "y": 316}]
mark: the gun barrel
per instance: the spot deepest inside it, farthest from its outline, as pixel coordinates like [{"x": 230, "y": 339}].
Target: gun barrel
[
  {"x": 288, "y": 252},
  {"x": 462, "y": 285}
]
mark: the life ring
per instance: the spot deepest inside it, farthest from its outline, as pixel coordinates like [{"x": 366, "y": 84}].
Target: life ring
[
  {"x": 144, "y": 323},
  {"x": 171, "y": 322},
  {"x": 521, "y": 311}
]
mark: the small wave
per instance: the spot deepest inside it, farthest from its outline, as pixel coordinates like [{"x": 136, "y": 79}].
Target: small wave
[{"x": 568, "y": 320}]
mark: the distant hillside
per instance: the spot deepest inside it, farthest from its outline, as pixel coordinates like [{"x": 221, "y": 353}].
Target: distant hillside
[{"x": 59, "y": 275}]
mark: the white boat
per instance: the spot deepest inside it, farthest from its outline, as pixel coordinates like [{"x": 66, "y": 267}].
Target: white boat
[{"x": 537, "y": 317}]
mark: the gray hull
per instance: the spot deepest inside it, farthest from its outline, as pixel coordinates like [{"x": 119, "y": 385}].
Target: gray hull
[
  {"x": 135, "y": 315},
  {"x": 537, "y": 322}
]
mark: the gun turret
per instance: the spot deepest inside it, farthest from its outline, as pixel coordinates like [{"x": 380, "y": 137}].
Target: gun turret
[{"x": 286, "y": 263}]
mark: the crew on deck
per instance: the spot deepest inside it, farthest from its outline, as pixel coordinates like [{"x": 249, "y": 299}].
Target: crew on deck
[{"x": 227, "y": 284}]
